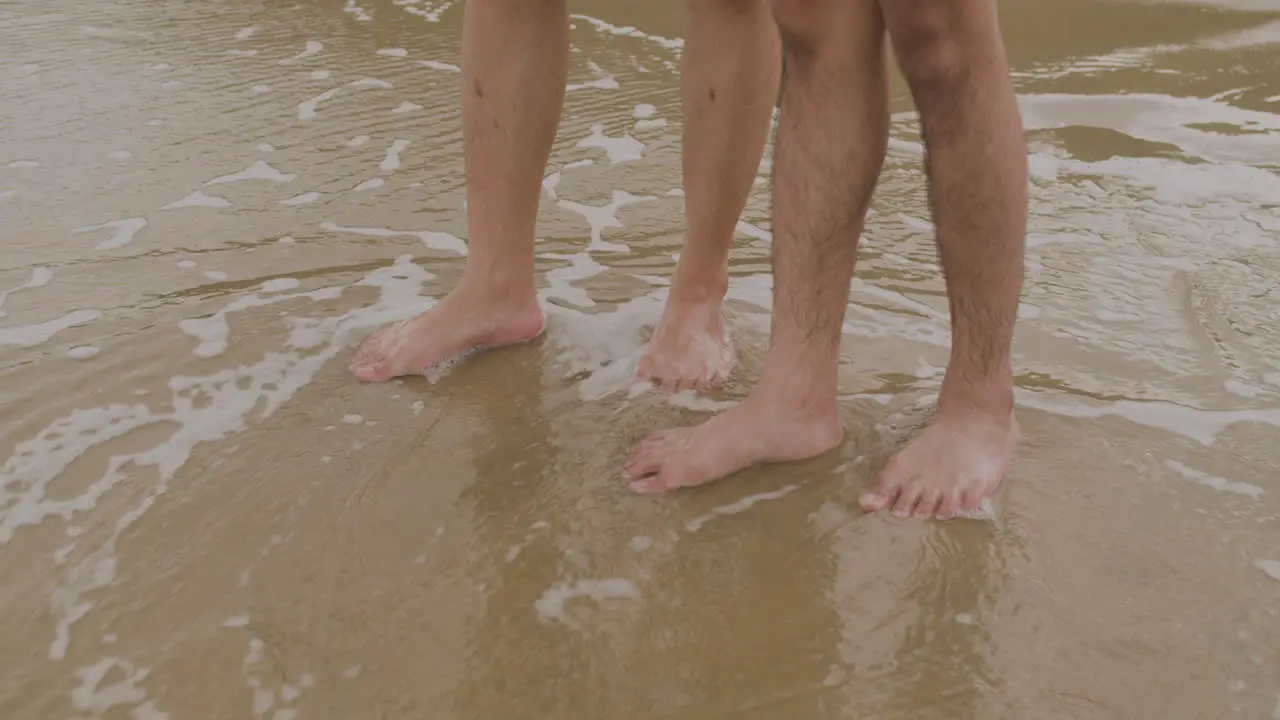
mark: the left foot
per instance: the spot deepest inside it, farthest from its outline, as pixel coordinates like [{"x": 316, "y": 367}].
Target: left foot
[
  {"x": 953, "y": 466},
  {"x": 756, "y": 431},
  {"x": 689, "y": 350}
]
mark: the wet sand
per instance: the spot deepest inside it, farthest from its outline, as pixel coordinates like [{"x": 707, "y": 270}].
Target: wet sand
[{"x": 204, "y": 205}]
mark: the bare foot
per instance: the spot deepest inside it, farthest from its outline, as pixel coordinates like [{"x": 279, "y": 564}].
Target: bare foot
[
  {"x": 690, "y": 349},
  {"x": 953, "y": 466},
  {"x": 756, "y": 431},
  {"x": 461, "y": 322}
]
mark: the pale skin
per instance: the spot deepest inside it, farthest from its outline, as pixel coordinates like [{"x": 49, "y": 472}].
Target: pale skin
[{"x": 831, "y": 141}]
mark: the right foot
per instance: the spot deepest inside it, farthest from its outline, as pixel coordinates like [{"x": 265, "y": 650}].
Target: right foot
[
  {"x": 690, "y": 349},
  {"x": 760, "y": 430},
  {"x": 460, "y": 323}
]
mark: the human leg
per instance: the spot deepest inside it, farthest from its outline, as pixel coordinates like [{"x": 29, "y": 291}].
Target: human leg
[
  {"x": 832, "y": 133},
  {"x": 514, "y": 63},
  {"x": 953, "y": 58},
  {"x": 729, "y": 82}
]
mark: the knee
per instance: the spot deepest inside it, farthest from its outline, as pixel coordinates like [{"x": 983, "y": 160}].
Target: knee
[
  {"x": 802, "y": 25},
  {"x": 930, "y": 44}
]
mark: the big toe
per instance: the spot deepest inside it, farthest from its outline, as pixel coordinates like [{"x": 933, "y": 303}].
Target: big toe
[
  {"x": 887, "y": 490},
  {"x": 648, "y": 456},
  {"x": 372, "y": 370}
]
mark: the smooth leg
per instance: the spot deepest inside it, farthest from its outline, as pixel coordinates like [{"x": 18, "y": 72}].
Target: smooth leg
[
  {"x": 729, "y": 83},
  {"x": 953, "y": 58},
  {"x": 514, "y": 63},
  {"x": 831, "y": 141}
]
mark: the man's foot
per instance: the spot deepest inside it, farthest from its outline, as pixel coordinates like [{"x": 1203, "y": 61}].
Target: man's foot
[
  {"x": 690, "y": 349},
  {"x": 756, "y": 431},
  {"x": 953, "y": 466},
  {"x": 460, "y": 323}
]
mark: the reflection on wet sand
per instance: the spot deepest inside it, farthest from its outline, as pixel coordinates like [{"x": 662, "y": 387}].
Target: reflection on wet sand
[{"x": 203, "y": 206}]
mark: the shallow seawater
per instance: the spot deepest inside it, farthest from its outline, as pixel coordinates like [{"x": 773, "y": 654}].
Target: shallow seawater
[{"x": 203, "y": 206}]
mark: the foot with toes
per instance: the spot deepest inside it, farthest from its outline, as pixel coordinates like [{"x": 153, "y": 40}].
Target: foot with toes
[
  {"x": 461, "y": 322},
  {"x": 950, "y": 469},
  {"x": 690, "y": 350}
]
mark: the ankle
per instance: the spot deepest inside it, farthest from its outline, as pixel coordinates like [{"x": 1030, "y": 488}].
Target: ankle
[
  {"x": 988, "y": 395},
  {"x": 511, "y": 290}
]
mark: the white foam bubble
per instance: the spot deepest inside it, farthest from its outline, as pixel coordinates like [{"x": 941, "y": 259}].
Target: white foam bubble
[
  {"x": 369, "y": 82},
  {"x": 549, "y": 183},
  {"x": 24, "y": 164},
  {"x": 198, "y": 199},
  {"x": 83, "y": 352},
  {"x": 357, "y": 141},
  {"x": 319, "y": 74},
  {"x": 216, "y": 275},
  {"x": 550, "y": 606},
  {"x": 360, "y": 13},
  {"x": 1202, "y": 426},
  {"x": 352, "y": 419},
  {"x": 99, "y": 697},
  {"x": 644, "y": 110},
  {"x": 601, "y": 81},
  {"x": 1270, "y": 567},
  {"x": 393, "y": 52},
  {"x": 432, "y": 239},
  {"x": 652, "y": 124},
  {"x": 370, "y": 184},
  {"x": 307, "y": 108},
  {"x": 629, "y": 31},
  {"x": 258, "y": 170},
  {"x": 119, "y": 155},
  {"x": 1212, "y": 481},
  {"x": 738, "y": 506},
  {"x": 261, "y": 89},
  {"x": 286, "y": 240},
  {"x": 28, "y": 336},
  {"x": 605, "y": 216},
  {"x": 40, "y": 277},
  {"x": 406, "y": 107},
  {"x": 305, "y": 198},
  {"x": 437, "y": 65},
  {"x": 280, "y": 284},
  {"x": 391, "y": 161},
  {"x": 246, "y": 33},
  {"x": 186, "y": 264},
  {"x": 619, "y": 149},
  {"x": 313, "y": 47},
  {"x": 125, "y": 232},
  {"x": 579, "y": 163},
  {"x": 265, "y": 147},
  {"x": 640, "y": 543},
  {"x": 236, "y": 621},
  {"x": 237, "y": 53}
]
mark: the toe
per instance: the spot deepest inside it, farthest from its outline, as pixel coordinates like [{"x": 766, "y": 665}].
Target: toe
[
  {"x": 651, "y": 485},
  {"x": 887, "y": 489},
  {"x": 970, "y": 499},
  {"x": 949, "y": 505},
  {"x": 928, "y": 505},
  {"x": 371, "y": 371},
  {"x": 648, "y": 456},
  {"x": 906, "y": 503}
]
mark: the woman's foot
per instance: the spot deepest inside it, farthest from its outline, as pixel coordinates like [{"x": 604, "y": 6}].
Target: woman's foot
[
  {"x": 691, "y": 348},
  {"x": 463, "y": 321}
]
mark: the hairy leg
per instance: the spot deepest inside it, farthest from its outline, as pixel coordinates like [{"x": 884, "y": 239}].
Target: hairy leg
[
  {"x": 953, "y": 58},
  {"x": 729, "y": 82},
  {"x": 514, "y": 63},
  {"x": 832, "y": 134}
]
